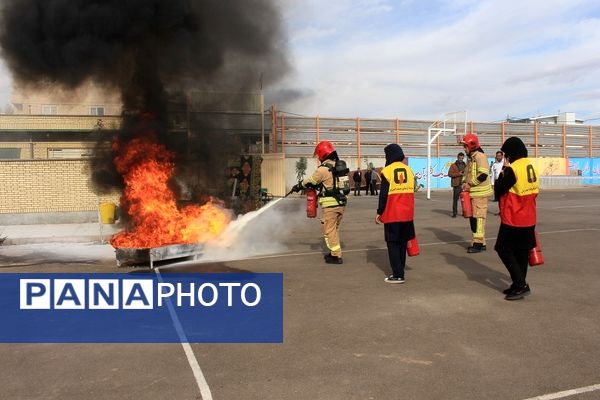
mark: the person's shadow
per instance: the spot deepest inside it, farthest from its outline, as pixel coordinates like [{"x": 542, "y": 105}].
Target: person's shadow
[
  {"x": 473, "y": 270},
  {"x": 478, "y": 272},
  {"x": 379, "y": 257},
  {"x": 450, "y": 237},
  {"x": 442, "y": 212}
]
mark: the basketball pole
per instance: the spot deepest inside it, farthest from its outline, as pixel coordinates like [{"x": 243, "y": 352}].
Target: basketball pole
[
  {"x": 437, "y": 132},
  {"x": 430, "y": 140}
]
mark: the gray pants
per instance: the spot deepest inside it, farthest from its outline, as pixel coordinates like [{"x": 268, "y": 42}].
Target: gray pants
[{"x": 455, "y": 195}]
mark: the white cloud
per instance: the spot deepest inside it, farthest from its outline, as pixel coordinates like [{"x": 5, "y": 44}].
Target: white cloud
[
  {"x": 417, "y": 59},
  {"x": 491, "y": 58}
]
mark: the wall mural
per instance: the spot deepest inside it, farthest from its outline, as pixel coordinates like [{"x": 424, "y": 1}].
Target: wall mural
[
  {"x": 244, "y": 182},
  {"x": 586, "y": 167}
]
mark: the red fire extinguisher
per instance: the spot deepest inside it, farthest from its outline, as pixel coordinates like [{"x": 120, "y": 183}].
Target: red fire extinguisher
[
  {"x": 535, "y": 255},
  {"x": 412, "y": 247},
  {"x": 311, "y": 203},
  {"x": 465, "y": 203}
]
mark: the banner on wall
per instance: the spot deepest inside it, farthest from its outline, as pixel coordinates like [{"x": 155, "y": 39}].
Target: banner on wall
[
  {"x": 438, "y": 171},
  {"x": 547, "y": 166},
  {"x": 587, "y": 168},
  {"x": 550, "y": 166}
]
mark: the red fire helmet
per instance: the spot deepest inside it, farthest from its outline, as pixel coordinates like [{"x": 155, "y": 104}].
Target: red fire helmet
[
  {"x": 324, "y": 149},
  {"x": 471, "y": 141}
]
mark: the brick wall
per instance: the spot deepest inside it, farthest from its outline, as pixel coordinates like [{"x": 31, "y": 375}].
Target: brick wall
[
  {"x": 57, "y": 122},
  {"x": 29, "y": 186}
]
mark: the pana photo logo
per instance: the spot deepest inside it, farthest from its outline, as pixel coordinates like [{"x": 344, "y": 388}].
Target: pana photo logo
[
  {"x": 141, "y": 308},
  {"x": 137, "y": 294}
]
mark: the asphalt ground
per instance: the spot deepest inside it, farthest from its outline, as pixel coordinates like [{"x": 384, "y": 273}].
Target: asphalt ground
[{"x": 447, "y": 333}]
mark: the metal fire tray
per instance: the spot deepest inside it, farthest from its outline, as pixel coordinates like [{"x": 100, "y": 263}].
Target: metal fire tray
[{"x": 129, "y": 256}]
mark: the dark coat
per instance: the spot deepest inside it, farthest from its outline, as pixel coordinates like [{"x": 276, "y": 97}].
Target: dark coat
[{"x": 455, "y": 173}]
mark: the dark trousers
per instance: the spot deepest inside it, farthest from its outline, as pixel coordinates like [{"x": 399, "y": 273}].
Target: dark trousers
[
  {"x": 397, "y": 255},
  {"x": 516, "y": 262},
  {"x": 455, "y": 196},
  {"x": 373, "y": 186},
  {"x": 357, "y": 188}
]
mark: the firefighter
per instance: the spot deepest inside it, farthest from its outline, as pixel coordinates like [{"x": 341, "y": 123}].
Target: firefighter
[
  {"x": 517, "y": 188},
  {"x": 396, "y": 209},
  {"x": 331, "y": 199},
  {"x": 476, "y": 181}
]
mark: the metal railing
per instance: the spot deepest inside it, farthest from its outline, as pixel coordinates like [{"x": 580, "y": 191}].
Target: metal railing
[{"x": 357, "y": 137}]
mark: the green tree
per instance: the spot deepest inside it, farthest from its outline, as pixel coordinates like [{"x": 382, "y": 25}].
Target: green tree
[{"x": 301, "y": 168}]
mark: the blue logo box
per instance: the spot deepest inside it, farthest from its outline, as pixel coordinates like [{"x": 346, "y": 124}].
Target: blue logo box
[{"x": 141, "y": 308}]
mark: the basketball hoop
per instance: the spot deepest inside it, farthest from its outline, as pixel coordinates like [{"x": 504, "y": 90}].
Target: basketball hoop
[{"x": 449, "y": 126}]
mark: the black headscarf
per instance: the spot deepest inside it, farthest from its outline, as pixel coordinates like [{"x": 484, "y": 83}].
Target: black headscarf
[
  {"x": 514, "y": 149},
  {"x": 393, "y": 153}
]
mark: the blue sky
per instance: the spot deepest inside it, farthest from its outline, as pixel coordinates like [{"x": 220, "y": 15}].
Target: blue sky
[{"x": 416, "y": 59}]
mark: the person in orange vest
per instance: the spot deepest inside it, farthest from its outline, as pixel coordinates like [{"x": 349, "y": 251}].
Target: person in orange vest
[
  {"x": 476, "y": 181},
  {"x": 332, "y": 197},
  {"x": 516, "y": 188},
  {"x": 396, "y": 209}
]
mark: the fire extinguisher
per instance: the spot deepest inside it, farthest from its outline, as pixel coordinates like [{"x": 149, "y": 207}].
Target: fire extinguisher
[
  {"x": 311, "y": 203},
  {"x": 412, "y": 247},
  {"x": 465, "y": 203},
  {"x": 535, "y": 255}
]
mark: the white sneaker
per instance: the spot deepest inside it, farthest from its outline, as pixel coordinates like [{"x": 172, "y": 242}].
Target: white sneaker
[{"x": 392, "y": 279}]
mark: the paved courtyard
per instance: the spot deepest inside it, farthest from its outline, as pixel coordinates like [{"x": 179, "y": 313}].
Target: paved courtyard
[{"x": 447, "y": 333}]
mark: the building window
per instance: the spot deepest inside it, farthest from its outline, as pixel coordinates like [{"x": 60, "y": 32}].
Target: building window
[
  {"x": 70, "y": 153},
  {"x": 10, "y": 154},
  {"x": 49, "y": 109},
  {"x": 96, "y": 110}
]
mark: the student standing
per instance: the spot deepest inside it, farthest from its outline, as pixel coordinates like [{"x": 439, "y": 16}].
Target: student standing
[
  {"x": 517, "y": 188},
  {"x": 396, "y": 209}
]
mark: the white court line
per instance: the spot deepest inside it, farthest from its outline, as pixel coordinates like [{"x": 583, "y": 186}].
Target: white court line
[
  {"x": 566, "y": 393},
  {"x": 586, "y": 206},
  {"x": 205, "y": 393},
  {"x": 308, "y": 253},
  {"x": 201, "y": 380}
]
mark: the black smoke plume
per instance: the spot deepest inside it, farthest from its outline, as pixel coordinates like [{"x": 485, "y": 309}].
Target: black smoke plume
[{"x": 145, "y": 48}]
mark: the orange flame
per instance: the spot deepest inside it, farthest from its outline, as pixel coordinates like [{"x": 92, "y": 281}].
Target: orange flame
[{"x": 146, "y": 167}]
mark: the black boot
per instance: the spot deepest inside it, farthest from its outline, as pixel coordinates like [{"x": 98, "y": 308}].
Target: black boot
[
  {"x": 518, "y": 294},
  {"x": 329, "y": 259},
  {"x": 476, "y": 248}
]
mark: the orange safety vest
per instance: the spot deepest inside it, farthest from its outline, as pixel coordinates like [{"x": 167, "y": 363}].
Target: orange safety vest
[
  {"x": 400, "y": 205},
  {"x": 518, "y": 206}
]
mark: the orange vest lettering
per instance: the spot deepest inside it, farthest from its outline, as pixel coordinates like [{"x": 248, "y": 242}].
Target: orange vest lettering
[{"x": 518, "y": 206}]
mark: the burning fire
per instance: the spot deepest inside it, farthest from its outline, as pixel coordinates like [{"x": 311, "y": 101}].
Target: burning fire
[{"x": 146, "y": 167}]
